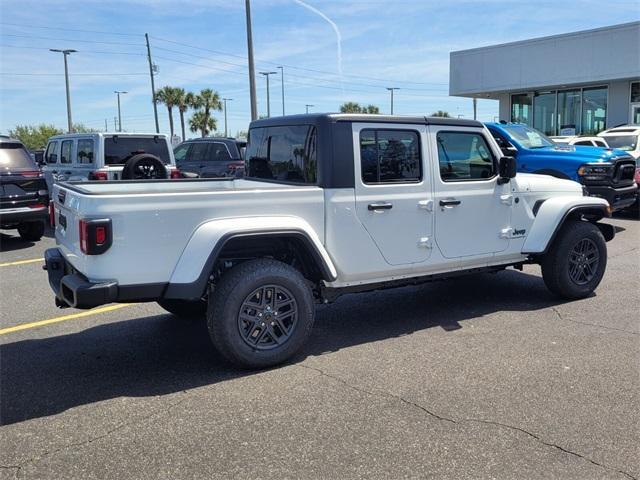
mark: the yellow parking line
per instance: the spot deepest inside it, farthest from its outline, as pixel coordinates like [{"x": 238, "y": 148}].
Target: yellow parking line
[
  {"x": 95, "y": 311},
  {"x": 22, "y": 262}
]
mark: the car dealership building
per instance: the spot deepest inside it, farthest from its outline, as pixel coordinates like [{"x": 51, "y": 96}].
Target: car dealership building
[{"x": 574, "y": 83}]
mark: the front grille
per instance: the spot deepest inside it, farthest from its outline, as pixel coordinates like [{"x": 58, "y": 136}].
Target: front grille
[{"x": 624, "y": 172}]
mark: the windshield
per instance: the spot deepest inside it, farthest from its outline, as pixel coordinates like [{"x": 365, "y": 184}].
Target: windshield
[
  {"x": 117, "y": 150},
  {"x": 15, "y": 156},
  {"x": 528, "y": 137},
  {"x": 623, "y": 142}
]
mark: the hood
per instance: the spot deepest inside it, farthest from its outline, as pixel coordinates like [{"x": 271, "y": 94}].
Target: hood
[
  {"x": 580, "y": 153},
  {"x": 530, "y": 182}
]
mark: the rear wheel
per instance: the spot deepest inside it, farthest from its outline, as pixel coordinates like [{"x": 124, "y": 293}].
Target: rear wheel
[
  {"x": 189, "y": 309},
  {"x": 260, "y": 313},
  {"x": 32, "y": 231},
  {"x": 575, "y": 264}
]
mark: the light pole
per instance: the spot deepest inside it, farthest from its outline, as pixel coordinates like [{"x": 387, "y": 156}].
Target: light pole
[
  {"x": 66, "y": 80},
  {"x": 307, "y": 106},
  {"x": 266, "y": 74},
  {"x": 391, "y": 89},
  {"x": 118, "y": 92},
  {"x": 282, "y": 82},
  {"x": 225, "y": 100},
  {"x": 252, "y": 75}
]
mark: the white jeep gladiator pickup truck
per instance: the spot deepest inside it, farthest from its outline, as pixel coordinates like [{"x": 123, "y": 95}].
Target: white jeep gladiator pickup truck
[{"x": 331, "y": 204}]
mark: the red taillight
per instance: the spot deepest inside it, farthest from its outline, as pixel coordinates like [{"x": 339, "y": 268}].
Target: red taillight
[
  {"x": 175, "y": 173},
  {"x": 95, "y": 236},
  {"x": 98, "y": 175},
  {"x": 31, "y": 173},
  {"x": 37, "y": 205},
  {"x": 235, "y": 165},
  {"x": 52, "y": 215}
]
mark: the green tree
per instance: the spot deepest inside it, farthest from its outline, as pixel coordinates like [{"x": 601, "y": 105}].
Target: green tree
[
  {"x": 441, "y": 113},
  {"x": 371, "y": 109},
  {"x": 203, "y": 123},
  {"x": 354, "y": 107},
  {"x": 81, "y": 128},
  {"x": 170, "y": 96},
  {"x": 34, "y": 136}
]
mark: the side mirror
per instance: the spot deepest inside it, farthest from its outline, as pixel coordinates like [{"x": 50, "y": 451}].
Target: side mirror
[
  {"x": 506, "y": 169},
  {"x": 509, "y": 151}
]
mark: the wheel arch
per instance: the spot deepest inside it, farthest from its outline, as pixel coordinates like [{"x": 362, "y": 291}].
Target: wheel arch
[
  {"x": 220, "y": 240},
  {"x": 554, "y": 212}
]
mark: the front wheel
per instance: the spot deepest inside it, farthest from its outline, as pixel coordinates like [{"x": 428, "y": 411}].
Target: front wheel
[
  {"x": 575, "y": 263},
  {"x": 260, "y": 313}
]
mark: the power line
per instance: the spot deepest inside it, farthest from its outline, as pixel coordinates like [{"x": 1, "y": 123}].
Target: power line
[
  {"x": 70, "y": 40},
  {"x": 38, "y": 74},
  {"x": 71, "y": 29}
]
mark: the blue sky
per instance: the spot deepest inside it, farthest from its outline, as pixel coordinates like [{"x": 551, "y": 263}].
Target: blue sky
[{"x": 202, "y": 43}]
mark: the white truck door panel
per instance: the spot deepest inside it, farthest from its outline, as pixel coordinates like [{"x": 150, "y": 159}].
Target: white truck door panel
[
  {"x": 393, "y": 191},
  {"x": 472, "y": 211}
]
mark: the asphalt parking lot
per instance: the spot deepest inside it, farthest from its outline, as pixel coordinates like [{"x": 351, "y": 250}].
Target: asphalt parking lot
[{"x": 481, "y": 377}]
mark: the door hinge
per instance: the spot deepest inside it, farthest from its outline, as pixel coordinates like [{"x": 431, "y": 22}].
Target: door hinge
[
  {"x": 426, "y": 205},
  {"x": 506, "y": 199},
  {"x": 506, "y": 232},
  {"x": 425, "y": 242}
]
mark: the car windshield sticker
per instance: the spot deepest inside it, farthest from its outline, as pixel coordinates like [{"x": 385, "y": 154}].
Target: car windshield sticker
[{"x": 534, "y": 139}]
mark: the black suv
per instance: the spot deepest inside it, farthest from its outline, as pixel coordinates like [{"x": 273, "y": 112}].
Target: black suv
[
  {"x": 24, "y": 200},
  {"x": 210, "y": 157}
]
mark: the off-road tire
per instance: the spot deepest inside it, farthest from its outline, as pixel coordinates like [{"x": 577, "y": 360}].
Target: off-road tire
[
  {"x": 144, "y": 166},
  {"x": 229, "y": 298},
  {"x": 31, "y": 231},
  {"x": 186, "y": 309},
  {"x": 556, "y": 265}
]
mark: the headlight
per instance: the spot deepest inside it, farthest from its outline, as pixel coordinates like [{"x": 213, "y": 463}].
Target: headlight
[{"x": 594, "y": 171}]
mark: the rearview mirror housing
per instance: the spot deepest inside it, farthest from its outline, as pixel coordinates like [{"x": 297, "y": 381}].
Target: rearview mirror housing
[{"x": 506, "y": 169}]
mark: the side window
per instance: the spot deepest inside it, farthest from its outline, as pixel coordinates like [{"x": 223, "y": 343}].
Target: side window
[
  {"x": 390, "y": 156},
  {"x": 51, "y": 155},
  {"x": 198, "y": 152},
  {"x": 283, "y": 153},
  {"x": 583, "y": 142},
  {"x": 65, "y": 151},
  {"x": 219, "y": 152},
  {"x": 85, "y": 151},
  {"x": 464, "y": 156},
  {"x": 600, "y": 144},
  {"x": 181, "y": 152}
]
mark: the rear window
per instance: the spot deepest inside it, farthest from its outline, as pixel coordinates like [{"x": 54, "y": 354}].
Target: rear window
[
  {"x": 284, "y": 153},
  {"x": 117, "y": 150},
  {"x": 14, "y": 155}
]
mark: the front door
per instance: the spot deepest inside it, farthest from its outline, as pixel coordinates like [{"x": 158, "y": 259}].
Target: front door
[
  {"x": 472, "y": 210},
  {"x": 393, "y": 190}
]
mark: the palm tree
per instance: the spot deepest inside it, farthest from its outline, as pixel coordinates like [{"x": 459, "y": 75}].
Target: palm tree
[
  {"x": 199, "y": 121},
  {"x": 350, "y": 107},
  {"x": 183, "y": 102},
  {"x": 370, "y": 109},
  {"x": 441, "y": 113},
  {"x": 169, "y": 96}
]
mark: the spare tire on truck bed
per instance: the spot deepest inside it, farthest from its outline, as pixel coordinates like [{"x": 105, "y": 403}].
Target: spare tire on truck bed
[{"x": 144, "y": 166}]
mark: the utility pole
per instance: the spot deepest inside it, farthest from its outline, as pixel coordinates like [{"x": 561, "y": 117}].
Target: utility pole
[
  {"x": 225, "y": 100},
  {"x": 153, "y": 87},
  {"x": 106, "y": 127},
  {"x": 391, "y": 89},
  {"x": 266, "y": 74},
  {"x": 115, "y": 124},
  {"x": 307, "y": 107},
  {"x": 475, "y": 108},
  {"x": 252, "y": 74},
  {"x": 65, "y": 53},
  {"x": 118, "y": 92},
  {"x": 282, "y": 82}
]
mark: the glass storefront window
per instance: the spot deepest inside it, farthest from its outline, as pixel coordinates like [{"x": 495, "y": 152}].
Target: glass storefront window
[
  {"x": 635, "y": 92},
  {"x": 521, "y": 108},
  {"x": 544, "y": 107},
  {"x": 594, "y": 110},
  {"x": 569, "y": 112}
]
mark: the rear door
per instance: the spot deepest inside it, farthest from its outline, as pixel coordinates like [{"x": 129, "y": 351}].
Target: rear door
[
  {"x": 472, "y": 211},
  {"x": 50, "y": 170},
  {"x": 393, "y": 190},
  {"x": 217, "y": 161},
  {"x": 65, "y": 169},
  {"x": 83, "y": 159}
]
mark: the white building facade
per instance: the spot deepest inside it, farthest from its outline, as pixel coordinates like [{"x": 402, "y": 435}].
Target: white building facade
[{"x": 575, "y": 83}]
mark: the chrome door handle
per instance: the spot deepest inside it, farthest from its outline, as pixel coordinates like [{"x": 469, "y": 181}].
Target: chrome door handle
[
  {"x": 379, "y": 206},
  {"x": 450, "y": 203}
]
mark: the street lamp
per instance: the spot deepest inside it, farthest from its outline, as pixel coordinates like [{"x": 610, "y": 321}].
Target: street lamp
[
  {"x": 118, "y": 92},
  {"x": 66, "y": 80},
  {"x": 282, "y": 82},
  {"x": 391, "y": 89},
  {"x": 225, "y": 100},
  {"x": 308, "y": 105},
  {"x": 266, "y": 74}
]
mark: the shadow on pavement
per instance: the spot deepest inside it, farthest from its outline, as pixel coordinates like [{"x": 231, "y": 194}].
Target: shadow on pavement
[
  {"x": 162, "y": 354},
  {"x": 9, "y": 243}
]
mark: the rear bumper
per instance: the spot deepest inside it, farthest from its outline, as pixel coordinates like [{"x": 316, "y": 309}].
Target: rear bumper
[
  {"x": 618, "y": 198},
  {"x": 13, "y": 216},
  {"x": 72, "y": 289}
]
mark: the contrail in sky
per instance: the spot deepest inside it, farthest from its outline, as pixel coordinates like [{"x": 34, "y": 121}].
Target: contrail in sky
[{"x": 335, "y": 29}]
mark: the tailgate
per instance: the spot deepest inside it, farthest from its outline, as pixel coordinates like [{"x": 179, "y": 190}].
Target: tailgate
[{"x": 66, "y": 220}]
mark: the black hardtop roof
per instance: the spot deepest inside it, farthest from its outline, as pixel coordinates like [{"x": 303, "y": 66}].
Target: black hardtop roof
[
  {"x": 212, "y": 139},
  {"x": 316, "y": 118}
]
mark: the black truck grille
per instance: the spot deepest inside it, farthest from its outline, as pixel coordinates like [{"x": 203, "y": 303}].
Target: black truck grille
[{"x": 624, "y": 172}]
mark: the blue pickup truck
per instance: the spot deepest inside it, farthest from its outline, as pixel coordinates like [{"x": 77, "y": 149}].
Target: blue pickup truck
[{"x": 604, "y": 172}]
